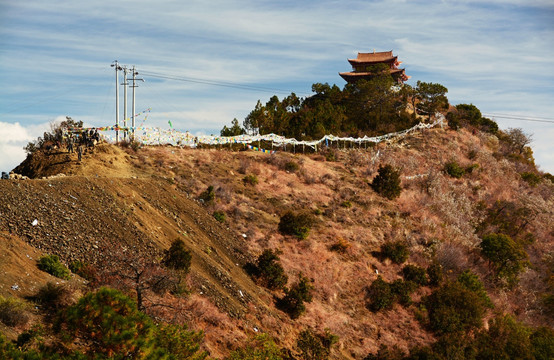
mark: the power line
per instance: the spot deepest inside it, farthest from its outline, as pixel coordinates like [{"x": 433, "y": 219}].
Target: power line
[
  {"x": 214, "y": 83},
  {"x": 520, "y": 118}
]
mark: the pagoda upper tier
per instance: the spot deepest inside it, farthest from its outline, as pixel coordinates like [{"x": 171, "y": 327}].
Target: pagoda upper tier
[{"x": 364, "y": 63}]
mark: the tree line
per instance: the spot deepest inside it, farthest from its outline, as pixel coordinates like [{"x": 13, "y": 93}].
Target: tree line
[{"x": 367, "y": 107}]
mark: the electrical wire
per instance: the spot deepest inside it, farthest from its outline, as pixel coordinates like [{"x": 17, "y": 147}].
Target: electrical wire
[
  {"x": 520, "y": 118},
  {"x": 213, "y": 82}
]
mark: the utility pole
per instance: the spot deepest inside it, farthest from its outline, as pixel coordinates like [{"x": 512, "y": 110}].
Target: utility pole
[
  {"x": 135, "y": 73},
  {"x": 125, "y": 70},
  {"x": 116, "y": 66}
]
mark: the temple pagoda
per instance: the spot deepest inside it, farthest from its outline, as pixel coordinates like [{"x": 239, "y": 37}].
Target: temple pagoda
[{"x": 362, "y": 65}]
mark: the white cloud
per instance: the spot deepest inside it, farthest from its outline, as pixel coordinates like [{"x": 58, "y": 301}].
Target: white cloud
[{"x": 13, "y": 137}]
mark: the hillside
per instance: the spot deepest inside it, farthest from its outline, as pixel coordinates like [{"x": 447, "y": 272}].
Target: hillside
[{"x": 144, "y": 199}]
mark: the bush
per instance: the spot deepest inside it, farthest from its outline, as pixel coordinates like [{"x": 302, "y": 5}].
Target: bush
[
  {"x": 261, "y": 348},
  {"x": 387, "y": 182},
  {"x": 315, "y": 346},
  {"x": 531, "y": 178},
  {"x": 53, "y": 297},
  {"x": 435, "y": 274},
  {"x": 471, "y": 167},
  {"x": 453, "y": 308},
  {"x": 380, "y": 295},
  {"x": 13, "y": 312},
  {"x": 402, "y": 291},
  {"x": 293, "y": 301},
  {"x": 507, "y": 256},
  {"x": 291, "y": 166},
  {"x": 250, "y": 179},
  {"x": 208, "y": 195},
  {"x": 396, "y": 251},
  {"x": 219, "y": 216},
  {"x": 179, "y": 343},
  {"x": 453, "y": 169},
  {"x": 340, "y": 246},
  {"x": 542, "y": 340},
  {"x": 471, "y": 282},
  {"x": 505, "y": 339},
  {"x": 415, "y": 274},
  {"x": 107, "y": 323},
  {"x": 178, "y": 257},
  {"x": 386, "y": 353},
  {"x": 269, "y": 271},
  {"x": 52, "y": 265},
  {"x": 296, "y": 224},
  {"x": 82, "y": 269}
]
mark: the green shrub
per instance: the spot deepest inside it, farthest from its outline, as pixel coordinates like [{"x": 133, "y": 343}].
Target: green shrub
[
  {"x": 314, "y": 346},
  {"x": 507, "y": 256},
  {"x": 453, "y": 169},
  {"x": 435, "y": 274},
  {"x": 53, "y": 297},
  {"x": 472, "y": 282},
  {"x": 549, "y": 177},
  {"x": 178, "y": 342},
  {"x": 531, "y": 178},
  {"x": 340, "y": 246},
  {"x": 542, "y": 341},
  {"x": 27, "y": 338},
  {"x": 397, "y": 251},
  {"x": 250, "y": 179},
  {"x": 107, "y": 323},
  {"x": 381, "y": 296},
  {"x": 387, "y": 182},
  {"x": 269, "y": 272},
  {"x": 82, "y": 269},
  {"x": 52, "y": 265},
  {"x": 415, "y": 274},
  {"x": 293, "y": 301},
  {"x": 219, "y": 216},
  {"x": 291, "y": 166},
  {"x": 471, "y": 167},
  {"x": 505, "y": 339},
  {"x": 208, "y": 195},
  {"x": 453, "y": 308},
  {"x": 178, "y": 257},
  {"x": 346, "y": 204},
  {"x": 262, "y": 347},
  {"x": 402, "y": 291},
  {"x": 386, "y": 353},
  {"x": 296, "y": 224},
  {"x": 13, "y": 312}
]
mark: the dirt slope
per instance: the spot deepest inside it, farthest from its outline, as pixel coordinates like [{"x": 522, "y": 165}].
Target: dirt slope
[
  {"x": 78, "y": 216},
  {"x": 147, "y": 198}
]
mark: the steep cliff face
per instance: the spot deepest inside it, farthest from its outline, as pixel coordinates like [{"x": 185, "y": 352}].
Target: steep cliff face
[{"x": 142, "y": 200}]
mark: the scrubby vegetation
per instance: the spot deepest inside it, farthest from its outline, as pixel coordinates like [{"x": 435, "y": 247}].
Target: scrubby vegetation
[
  {"x": 295, "y": 297},
  {"x": 52, "y": 265},
  {"x": 296, "y": 224},
  {"x": 268, "y": 271},
  {"x": 178, "y": 257},
  {"x": 387, "y": 182},
  {"x": 433, "y": 246},
  {"x": 13, "y": 312},
  {"x": 397, "y": 251}
]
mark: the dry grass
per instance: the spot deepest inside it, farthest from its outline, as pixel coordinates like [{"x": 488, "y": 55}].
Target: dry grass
[{"x": 435, "y": 214}]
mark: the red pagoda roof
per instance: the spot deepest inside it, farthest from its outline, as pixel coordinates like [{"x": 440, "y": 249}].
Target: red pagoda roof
[
  {"x": 363, "y": 63},
  {"x": 374, "y": 58}
]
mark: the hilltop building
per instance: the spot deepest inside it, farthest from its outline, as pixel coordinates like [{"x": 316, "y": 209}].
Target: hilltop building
[{"x": 362, "y": 65}]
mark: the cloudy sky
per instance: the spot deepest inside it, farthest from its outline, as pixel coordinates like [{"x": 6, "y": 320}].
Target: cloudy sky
[{"x": 207, "y": 62}]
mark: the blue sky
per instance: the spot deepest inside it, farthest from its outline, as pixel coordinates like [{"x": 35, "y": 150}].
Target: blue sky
[{"x": 55, "y": 58}]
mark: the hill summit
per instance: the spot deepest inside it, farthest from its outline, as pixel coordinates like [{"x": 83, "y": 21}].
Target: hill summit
[{"x": 304, "y": 248}]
